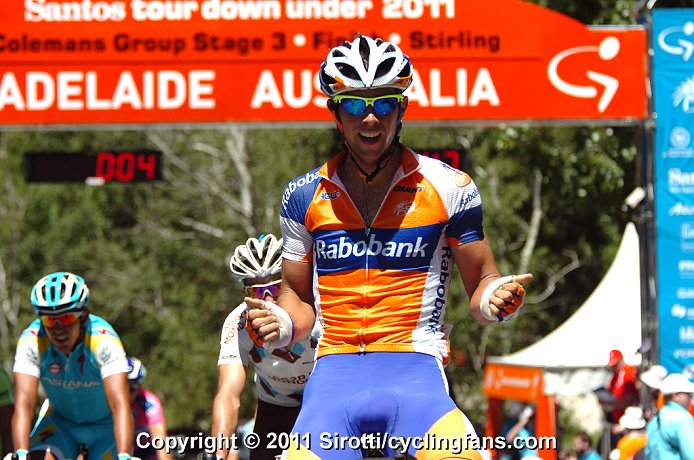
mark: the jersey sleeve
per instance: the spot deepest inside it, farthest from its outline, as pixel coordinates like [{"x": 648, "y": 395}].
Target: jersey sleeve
[
  {"x": 233, "y": 349},
  {"x": 26, "y": 358},
  {"x": 111, "y": 358},
  {"x": 107, "y": 348},
  {"x": 297, "y": 241},
  {"x": 464, "y": 205}
]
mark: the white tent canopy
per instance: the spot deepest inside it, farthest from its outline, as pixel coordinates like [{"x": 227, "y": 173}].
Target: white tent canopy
[{"x": 575, "y": 354}]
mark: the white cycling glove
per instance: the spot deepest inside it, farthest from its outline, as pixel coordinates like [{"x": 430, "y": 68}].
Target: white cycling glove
[
  {"x": 285, "y": 331},
  {"x": 508, "y": 311}
]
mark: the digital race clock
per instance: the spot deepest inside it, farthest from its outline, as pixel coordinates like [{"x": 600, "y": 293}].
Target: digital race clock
[{"x": 103, "y": 167}]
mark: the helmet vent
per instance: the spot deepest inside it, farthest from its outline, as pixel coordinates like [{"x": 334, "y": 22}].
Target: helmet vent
[
  {"x": 348, "y": 71},
  {"x": 384, "y": 67},
  {"x": 257, "y": 258},
  {"x": 364, "y": 52},
  {"x": 365, "y": 63}
]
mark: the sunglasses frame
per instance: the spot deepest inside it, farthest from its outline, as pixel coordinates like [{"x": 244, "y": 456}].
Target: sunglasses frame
[
  {"x": 54, "y": 319},
  {"x": 248, "y": 290},
  {"x": 369, "y": 102}
]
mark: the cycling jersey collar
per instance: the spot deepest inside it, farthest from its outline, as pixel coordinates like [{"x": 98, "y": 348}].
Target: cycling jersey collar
[{"x": 408, "y": 162}]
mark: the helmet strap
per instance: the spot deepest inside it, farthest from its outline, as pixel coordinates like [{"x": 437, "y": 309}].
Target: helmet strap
[{"x": 383, "y": 160}]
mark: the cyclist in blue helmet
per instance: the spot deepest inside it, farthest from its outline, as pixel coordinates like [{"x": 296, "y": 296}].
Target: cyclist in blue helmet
[{"x": 80, "y": 362}]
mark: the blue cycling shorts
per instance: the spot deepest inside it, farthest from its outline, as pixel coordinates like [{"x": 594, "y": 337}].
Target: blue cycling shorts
[
  {"x": 383, "y": 400},
  {"x": 64, "y": 437}
]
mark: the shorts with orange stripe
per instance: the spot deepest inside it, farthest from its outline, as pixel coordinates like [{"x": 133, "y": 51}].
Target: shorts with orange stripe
[{"x": 382, "y": 400}]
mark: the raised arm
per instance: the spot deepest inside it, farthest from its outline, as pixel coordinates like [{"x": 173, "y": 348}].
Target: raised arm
[{"x": 478, "y": 271}]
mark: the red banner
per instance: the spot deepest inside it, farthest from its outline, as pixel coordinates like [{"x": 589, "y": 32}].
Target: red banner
[{"x": 207, "y": 61}]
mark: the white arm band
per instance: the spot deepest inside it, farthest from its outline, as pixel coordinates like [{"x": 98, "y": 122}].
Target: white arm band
[
  {"x": 286, "y": 326},
  {"x": 485, "y": 309}
]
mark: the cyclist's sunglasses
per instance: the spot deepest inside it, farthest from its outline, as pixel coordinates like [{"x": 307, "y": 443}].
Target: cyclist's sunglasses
[
  {"x": 259, "y": 291},
  {"x": 355, "y": 105},
  {"x": 65, "y": 320}
]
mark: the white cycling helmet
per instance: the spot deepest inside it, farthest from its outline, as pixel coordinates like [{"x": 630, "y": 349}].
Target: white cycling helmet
[
  {"x": 58, "y": 293},
  {"x": 257, "y": 258},
  {"x": 365, "y": 63}
]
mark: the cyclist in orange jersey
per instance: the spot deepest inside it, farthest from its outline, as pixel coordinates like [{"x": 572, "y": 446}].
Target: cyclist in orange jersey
[{"x": 370, "y": 242}]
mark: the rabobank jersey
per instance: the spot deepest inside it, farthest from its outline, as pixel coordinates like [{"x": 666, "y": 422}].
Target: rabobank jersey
[
  {"x": 73, "y": 383},
  {"x": 382, "y": 288},
  {"x": 281, "y": 374}
]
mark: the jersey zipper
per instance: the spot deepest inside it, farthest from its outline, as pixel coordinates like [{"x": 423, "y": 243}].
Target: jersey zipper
[{"x": 367, "y": 231}]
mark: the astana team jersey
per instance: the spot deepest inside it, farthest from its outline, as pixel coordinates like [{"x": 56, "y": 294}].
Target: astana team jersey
[
  {"x": 281, "y": 374},
  {"x": 73, "y": 383},
  {"x": 382, "y": 288}
]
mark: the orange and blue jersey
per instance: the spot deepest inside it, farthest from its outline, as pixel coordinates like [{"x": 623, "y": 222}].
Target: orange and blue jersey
[{"x": 382, "y": 288}]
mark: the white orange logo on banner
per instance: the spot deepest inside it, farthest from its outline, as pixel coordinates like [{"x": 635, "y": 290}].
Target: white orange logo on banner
[{"x": 607, "y": 50}]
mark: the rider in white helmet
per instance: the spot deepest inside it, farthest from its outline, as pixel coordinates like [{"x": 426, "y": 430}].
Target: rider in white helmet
[
  {"x": 370, "y": 241},
  {"x": 280, "y": 375}
]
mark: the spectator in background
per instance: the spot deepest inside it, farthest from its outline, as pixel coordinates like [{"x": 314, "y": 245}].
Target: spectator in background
[
  {"x": 6, "y": 411},
  {"x": 671, "y": 431},
  {"x": 622, "y": 385},
  {"x": 622, "y": 391},
  {"x": 634, "y": 439},
  {"x": 583, "y": 447},
  {"x": 652, "y": 379},
  {"x": 148, "y": 413},
  {"x": 519, "y": 427}
]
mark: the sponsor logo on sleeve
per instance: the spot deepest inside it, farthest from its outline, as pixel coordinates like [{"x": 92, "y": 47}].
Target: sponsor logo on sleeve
[{"x": 462, "y": 179}]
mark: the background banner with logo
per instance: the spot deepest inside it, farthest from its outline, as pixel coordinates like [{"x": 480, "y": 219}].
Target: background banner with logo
[
  {"x": 206, "y": 61},
  {"x": 673, "y": 77}
]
